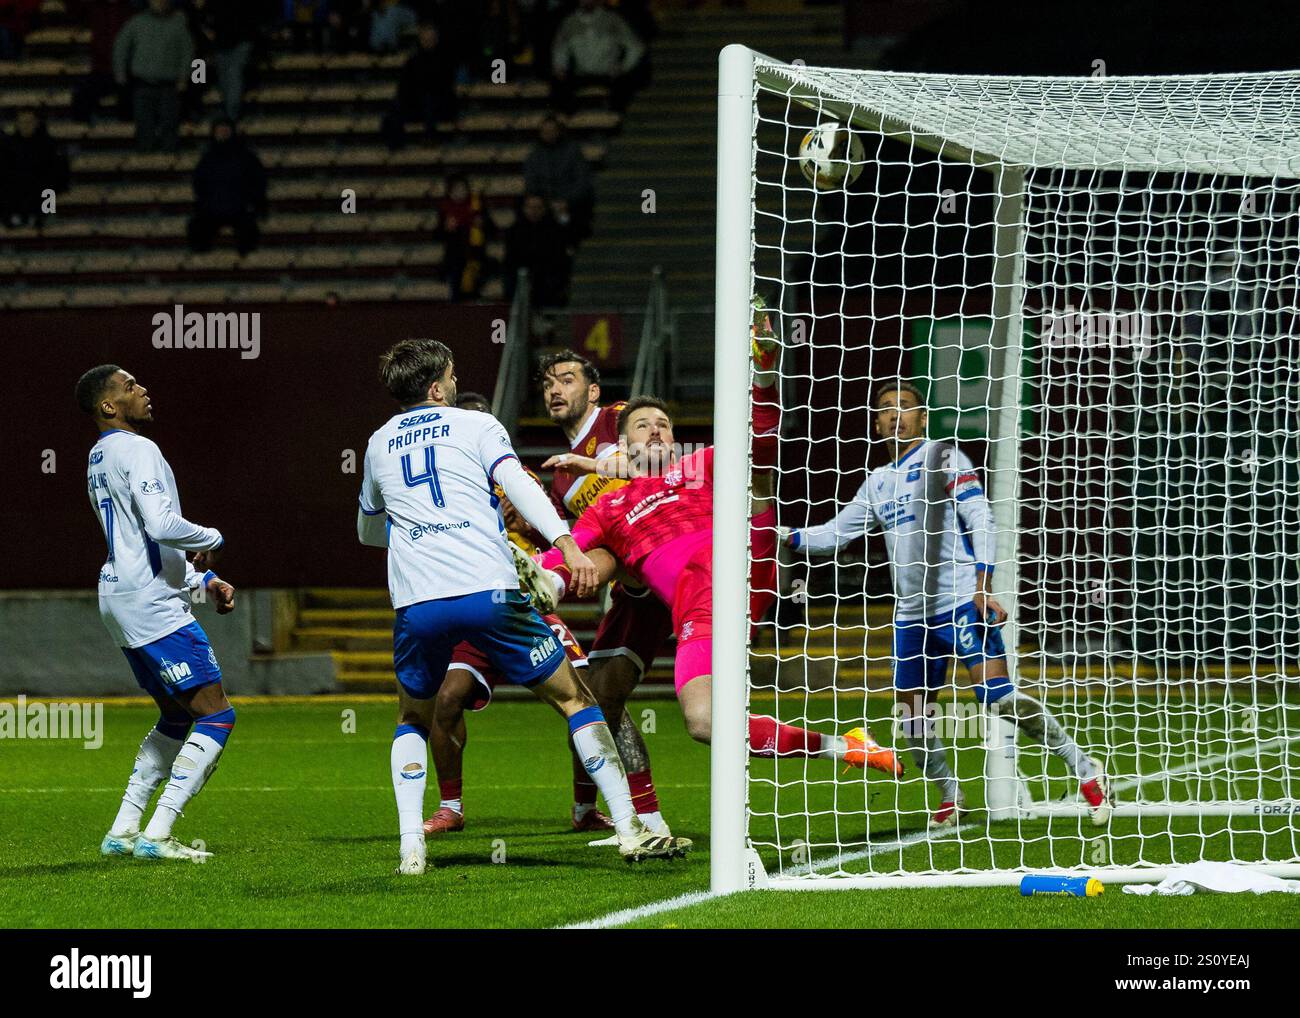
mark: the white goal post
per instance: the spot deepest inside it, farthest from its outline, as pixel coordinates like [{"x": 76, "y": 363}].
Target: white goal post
[{"x": 1096, "y": 281}]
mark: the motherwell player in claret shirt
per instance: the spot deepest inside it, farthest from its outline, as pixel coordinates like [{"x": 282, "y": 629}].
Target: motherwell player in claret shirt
[{"x": 637, "y": 626}]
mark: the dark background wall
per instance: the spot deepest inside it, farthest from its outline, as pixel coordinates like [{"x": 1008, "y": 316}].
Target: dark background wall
[{"x": 257, "y": 445}]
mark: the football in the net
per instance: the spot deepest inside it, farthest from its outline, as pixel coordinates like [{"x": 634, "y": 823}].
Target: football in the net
[{"x": 831, "y": 156}]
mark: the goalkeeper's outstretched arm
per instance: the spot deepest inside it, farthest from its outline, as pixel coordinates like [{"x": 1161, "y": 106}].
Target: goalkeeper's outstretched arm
[{"x": 850, "y": 523}]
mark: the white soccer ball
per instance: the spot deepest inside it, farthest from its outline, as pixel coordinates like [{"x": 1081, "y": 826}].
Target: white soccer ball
[{"x": 831, "y": 156}]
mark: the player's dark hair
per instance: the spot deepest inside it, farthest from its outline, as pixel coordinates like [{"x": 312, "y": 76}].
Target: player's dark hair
[
  {"x": 900, "y": 386},
  {"x": 411, "y": 366},
  {"x": 91, "y": 386},
  {"x": 640, "y": 403},
  {"x": 589, "y": 371},
  {"x": 473, "y": 400}
]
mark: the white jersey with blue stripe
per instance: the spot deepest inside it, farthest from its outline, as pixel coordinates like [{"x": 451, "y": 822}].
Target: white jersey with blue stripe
[
  {"x": 937, "y": 524},
  {"x": 144, "y": 584},
  {"x": 429, "y": 470}
]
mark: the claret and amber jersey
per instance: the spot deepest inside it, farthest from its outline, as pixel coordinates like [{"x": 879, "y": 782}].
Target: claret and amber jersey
[{"x": 598, "y": 440}]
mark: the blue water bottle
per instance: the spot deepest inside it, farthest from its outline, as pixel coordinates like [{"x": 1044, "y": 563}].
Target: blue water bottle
[{"x": 1035, "y": 884}]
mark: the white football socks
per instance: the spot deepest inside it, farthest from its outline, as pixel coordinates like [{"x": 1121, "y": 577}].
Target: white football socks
[
  {"x": 152, "y": 765},
  {"x": 599, "y": 755},
  {"x": 190, "y": 771},
  {"x": 410, "y": 763}
]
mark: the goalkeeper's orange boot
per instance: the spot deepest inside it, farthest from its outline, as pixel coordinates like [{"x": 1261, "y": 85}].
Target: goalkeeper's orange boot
[
  {"x": 864, "y": 751},
  {"x": 444, "y": 821}
]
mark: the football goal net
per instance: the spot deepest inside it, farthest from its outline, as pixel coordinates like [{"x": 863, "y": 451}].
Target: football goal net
[{"x": 1091, "y": 283}]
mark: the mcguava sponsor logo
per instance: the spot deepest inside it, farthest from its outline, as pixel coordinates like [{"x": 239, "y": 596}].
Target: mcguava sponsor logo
[
  {"x": 77, "y": 971},
  {"x": 23, "y": 720},
  {"x": 216, "y": 330}
]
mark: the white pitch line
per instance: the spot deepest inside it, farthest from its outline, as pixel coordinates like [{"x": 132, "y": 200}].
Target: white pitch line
[
  {"x": 1201, "y": 764},
  {"x": 631, "y": 915}
]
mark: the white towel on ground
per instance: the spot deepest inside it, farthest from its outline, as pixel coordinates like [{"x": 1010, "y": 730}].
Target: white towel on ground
[{"x": 1216, "y": 878}]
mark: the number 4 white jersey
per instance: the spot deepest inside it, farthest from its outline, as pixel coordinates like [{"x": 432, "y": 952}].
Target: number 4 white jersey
[
  {"x": 144, "y": 584},
  {"x": 429, "y": 469}
]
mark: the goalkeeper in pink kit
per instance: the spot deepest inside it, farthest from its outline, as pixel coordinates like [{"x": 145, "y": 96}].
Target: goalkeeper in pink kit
[{"x": 660, "y": 528}]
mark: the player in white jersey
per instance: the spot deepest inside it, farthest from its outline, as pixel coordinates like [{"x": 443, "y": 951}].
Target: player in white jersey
[
  {"x": 145, "y": 589},
  {"x": 939, "y": 533},
  {"x": 427, "y": 495}
]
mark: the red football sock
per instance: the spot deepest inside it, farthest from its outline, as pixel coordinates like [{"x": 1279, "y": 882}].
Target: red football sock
[
  {"x": 584, "y": 793},
  {"x": 449, "y": 791},
  {"x": 644, "y": 798},
  {"x": 768, "y": 737}
]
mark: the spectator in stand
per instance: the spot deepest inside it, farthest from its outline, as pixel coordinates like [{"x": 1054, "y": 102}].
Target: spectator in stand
[
  {"x": 558, "y": 171},
  {"x": 349, "y": 25},
  {"x": 105, "y": 19},
  {"x": 389, "y": 22},
  {"x": 229, "y": 190},
  {"x": 426, "y": 89},
  {"x": 463, "y": 228},
  {"x": 30, "y": 163},
  {"x": 538, "y": 243},
  {"x": 306, "y": 22},
  {"x": 17, "y": 18},
  {"x": 230, "y": 28},
  {"x": 539, "y": 21},
  {"x": 153, "y": 53},
  {"x": 594, "y": 46}
]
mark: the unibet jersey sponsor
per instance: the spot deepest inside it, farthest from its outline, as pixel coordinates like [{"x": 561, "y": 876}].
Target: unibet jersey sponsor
[{"x": 429, "y": 470}]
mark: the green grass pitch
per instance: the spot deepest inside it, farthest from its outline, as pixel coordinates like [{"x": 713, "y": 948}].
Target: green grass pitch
[{"x": 301, "y": 820}]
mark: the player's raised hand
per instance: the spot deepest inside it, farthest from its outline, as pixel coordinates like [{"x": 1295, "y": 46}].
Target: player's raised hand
[
  {"x": 990, "y": 611},
  {"x": 222, "y": 595},
  {"x": 582, "y": 569}
]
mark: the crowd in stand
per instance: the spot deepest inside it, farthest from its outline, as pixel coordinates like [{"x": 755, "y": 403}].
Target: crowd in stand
[{"x": 142, "y": 53}]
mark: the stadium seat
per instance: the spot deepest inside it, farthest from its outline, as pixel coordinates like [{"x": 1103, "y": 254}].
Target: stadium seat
[
  {"x": 330, "y": 126},
  {"x": 221, "y": 259},
  {"x": 30, "y": 300},
  {"x": 416, "y": 155},
  {"x": 259, "y": 293},
  {"x": 338, "y": 92},
  {"x": 336, "y": 257},
  {"x": 57, "y": 226},
  {"x": 131, "y": 194},
  {"x": 270, "y": 258},
  {"x": 310, "y": 293},
  {"x": 402, "y": 187},
  {"x": 96, "y": 162},
  {"x": 105, "y": 261},
  {"x": 307, "y": 157},
  {"x": 425, "y": 254},
  {"x": 282, "y": 223},
  {"x": 423, "y": 289},
  {"x": 468, "y": 155},
  {"x": 367, "y": 291},
  {"x": 339, "y": 223},
  {"x": 95, "y": 296},
  {"x": 212, "y": 293},
  {"x": 382, "y": 254},
  {"x": 147, "y": 262},
  {"x": 47, "y": 263},
  {"x": 147, "y": 295},
  {"x": 402, "y": 221}
]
